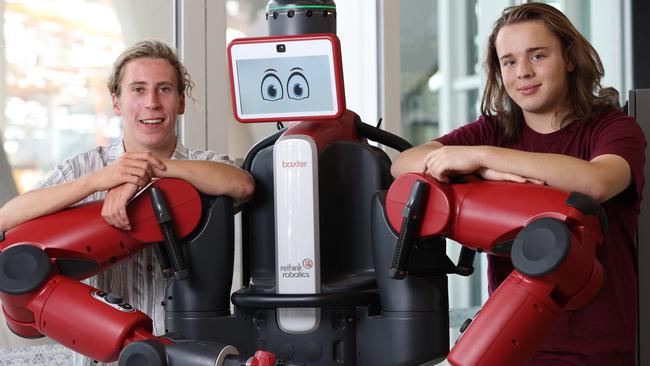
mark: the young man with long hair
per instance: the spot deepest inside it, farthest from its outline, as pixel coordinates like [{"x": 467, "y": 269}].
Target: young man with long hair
[{"x": 547, "y": 120}]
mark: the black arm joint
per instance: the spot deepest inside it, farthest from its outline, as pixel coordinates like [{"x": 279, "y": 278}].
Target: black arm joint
[
  {"x": 160, "y": 205},
  {"x": 465, "y": 266},
  {"x": 411, "y": 223},
  {"x": 584, "y": 203}
]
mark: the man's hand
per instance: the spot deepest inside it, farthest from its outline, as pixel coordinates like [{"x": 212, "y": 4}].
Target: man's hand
[
  {"x": 134, "y": 168},
  {"x": 451, "y": 160},
  {"x": 491, "y": 174},
  {"x": 114, "y": 209}
]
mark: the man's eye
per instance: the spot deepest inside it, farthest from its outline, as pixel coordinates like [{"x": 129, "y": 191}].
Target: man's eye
[
  {"x": 508, "y": 63},
  {"x": 165, "y": 89},
  {"x": 138, "y": 90},
  {"x": 537, "y": 57}
]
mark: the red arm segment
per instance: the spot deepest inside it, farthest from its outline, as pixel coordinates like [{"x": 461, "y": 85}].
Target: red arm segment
[
  {"x": 42, "y": 260},
  {"x": 551, "y": 237}
]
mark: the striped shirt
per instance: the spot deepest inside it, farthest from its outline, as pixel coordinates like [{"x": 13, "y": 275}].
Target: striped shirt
[{"x": 139, "y": 280}]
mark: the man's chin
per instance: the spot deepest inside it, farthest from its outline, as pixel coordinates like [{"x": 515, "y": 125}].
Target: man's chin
[{"x": 156, "y": 142}]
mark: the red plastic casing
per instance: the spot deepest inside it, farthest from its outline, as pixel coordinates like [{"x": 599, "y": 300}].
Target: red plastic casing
[
  {"x": 479, "y": 214},
  {"x": 323, "y": 134},
  {"x": 485, "y": 215},
  {"x": 63, "y": 308}
]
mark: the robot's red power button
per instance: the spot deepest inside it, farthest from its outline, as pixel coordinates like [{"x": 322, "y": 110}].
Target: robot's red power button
[{"x": 261, "y": 358}]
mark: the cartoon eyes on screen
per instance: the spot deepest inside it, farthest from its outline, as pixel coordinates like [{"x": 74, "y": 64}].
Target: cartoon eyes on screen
[{"x": 297, "y": 85}]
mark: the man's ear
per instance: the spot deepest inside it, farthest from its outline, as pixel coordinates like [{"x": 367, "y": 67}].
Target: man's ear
[
  {"x": 570, "y": 66},
  {"x": 181, "y": 105},
  {"x": 116, "y": 105}
]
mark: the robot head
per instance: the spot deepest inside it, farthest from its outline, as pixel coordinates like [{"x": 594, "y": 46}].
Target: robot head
[
  {"x": 286, "y": 78},
  {"x": 293, "y": 17}
]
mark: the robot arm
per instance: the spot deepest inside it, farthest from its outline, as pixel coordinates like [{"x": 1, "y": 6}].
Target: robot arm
[
  {"x": 550, "y": 236},
  {"x": 42, "y": 261}
]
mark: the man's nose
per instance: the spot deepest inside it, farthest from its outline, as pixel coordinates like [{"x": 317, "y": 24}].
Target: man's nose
[
  {"x": 153, "y": 99},
  {"x": 524, "y": 71}
]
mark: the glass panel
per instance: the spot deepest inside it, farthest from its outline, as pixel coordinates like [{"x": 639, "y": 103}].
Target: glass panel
[
  {"x": 578, "y": 11},
  {"x": 419, "y": 69},
  {"x": 246, "y": 18},
  {"x": 57, "y": 55},
  {"x": 422, "y": 90},
  {"x": 468, "y": 105},
  {"x": 473, "y": 45},
  {"x": 55, "y": 63}
]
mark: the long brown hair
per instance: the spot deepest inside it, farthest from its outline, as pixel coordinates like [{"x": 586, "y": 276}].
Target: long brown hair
[{"x": 586, "y": 95}]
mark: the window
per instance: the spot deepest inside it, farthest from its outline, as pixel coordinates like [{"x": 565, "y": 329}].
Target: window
[
  {"x": 54, "y": 66},
  {"x": 56, "y": 57},
  {"x": 440, "y": 90}
]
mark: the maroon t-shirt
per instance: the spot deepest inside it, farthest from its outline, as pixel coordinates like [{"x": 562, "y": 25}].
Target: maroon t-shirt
[{"x": 603, "y": 332}]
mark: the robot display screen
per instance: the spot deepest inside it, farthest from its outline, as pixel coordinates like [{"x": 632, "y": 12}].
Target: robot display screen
[{"x": 284, "y": 80}]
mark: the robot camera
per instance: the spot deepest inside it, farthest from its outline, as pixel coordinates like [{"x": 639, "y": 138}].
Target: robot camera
[{"x": 280, "y": 48}]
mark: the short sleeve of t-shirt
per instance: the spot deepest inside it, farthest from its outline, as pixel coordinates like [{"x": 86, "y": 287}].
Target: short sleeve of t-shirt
[
  {"x": 620, "y": 135},
  {"x": 210, "y": 155},
  {"x": 611, "y": 133},
  {"x": 73, "y": 168},
  {"x": 483, "y": 131},
  {"x": 207, "y": 155},
  {"x": 56, "y": 176}
]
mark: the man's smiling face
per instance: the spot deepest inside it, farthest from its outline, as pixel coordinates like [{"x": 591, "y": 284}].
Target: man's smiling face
[{"x": 149, "y": 103}]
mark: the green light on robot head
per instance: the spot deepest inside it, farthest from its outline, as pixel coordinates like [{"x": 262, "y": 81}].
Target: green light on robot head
[{"x": 298, "y": 7}]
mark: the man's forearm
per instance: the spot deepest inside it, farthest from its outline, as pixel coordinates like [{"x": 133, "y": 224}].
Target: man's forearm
[
  {"x": 412, "y": 160},
  {"x": 211, "y": 178},
  {"x": 601, "y": 178},
  {"x": 43, "y": 201}
]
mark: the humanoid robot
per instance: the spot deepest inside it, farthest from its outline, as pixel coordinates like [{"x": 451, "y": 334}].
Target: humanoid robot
[
  {"x": 317, "y": 285},
  {"x": 341, "y": 265}
]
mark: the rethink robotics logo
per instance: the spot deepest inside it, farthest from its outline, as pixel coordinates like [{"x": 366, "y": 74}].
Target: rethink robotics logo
[{"x": 299, "y": 270}]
